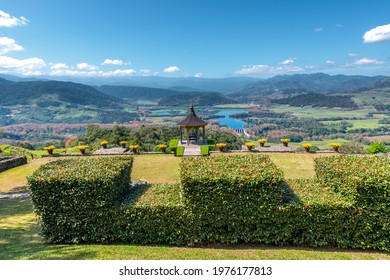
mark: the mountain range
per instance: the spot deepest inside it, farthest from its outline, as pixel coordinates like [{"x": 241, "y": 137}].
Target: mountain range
[
  {"x": 176, "y": 91},
  {"x": 308, "y": 83}
]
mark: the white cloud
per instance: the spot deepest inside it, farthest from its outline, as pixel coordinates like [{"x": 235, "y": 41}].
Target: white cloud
[
  {"x": 352, "y": 54},
  {"x": 288, "y": 61},
  {"x": 266, "y": 69},
  {"x": 145, "y": 72},
  {"x": 29, "y": 66},
  {"x": 330, "y": 62},
  {"x": 8, "y": 44},
  {"x": 377, "y": 34},
  {"x": 6, "y": 20},
  {"x": 93, "y": 73},
  {"x": 172, "y": 69},
  {"x": 108, "y": 61},
  {"x": 198, "y": 75},
  {"x": 365, "y": 61},
  {"x": 338, "y": 25},
  {"x": 86, "y": 66},
  {"x": 119, "y": 72},
  {"x": 311, "y": 67},
  {"x": 59, "y": 66},
  {"x": 319, "y": 29}
]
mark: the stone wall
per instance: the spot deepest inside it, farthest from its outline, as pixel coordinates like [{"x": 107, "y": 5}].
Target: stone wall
[{"x": 10, "y": 162}]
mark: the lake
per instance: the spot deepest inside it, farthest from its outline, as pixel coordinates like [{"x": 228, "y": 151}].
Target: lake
[{"x": 231, "y": 122}]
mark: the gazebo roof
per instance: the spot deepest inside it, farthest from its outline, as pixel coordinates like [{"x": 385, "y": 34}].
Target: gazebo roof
[{"x": 192, "y": 120}]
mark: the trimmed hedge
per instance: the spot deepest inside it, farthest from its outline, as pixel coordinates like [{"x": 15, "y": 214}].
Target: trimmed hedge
[
  {"x": 179, "y": 152},
  {"x": 75, "y": 197},
  {"x": 365, "y": 180},
  {"x": 224, "y": 199},
  {"x": 173, "y": 144},
  {"x": 204, "y": 150},
  {"x": 228, "y": 196},
  {"x": 8, "y": 162}
]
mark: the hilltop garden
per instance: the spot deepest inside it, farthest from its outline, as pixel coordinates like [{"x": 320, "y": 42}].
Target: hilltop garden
[{"x": 223, "y": 199}]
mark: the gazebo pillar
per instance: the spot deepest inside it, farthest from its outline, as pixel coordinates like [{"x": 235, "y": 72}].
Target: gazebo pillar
[
  {"x": 181, "y": 135},
  {"x": 188, "y": 135}
]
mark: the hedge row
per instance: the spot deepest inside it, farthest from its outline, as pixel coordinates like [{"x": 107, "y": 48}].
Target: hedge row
[
  {"x": 75, "y": 197},
  {"x": 226, "y": 192},
  {"x": 316, "y": 217},
  {"x": 364, "y": 180},
  {"x": 224, "y": 199},
  {"x": 9, "y": 162}
]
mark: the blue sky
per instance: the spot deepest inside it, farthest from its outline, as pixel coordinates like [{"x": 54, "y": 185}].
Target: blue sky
[{"x": 209, "y": 39}]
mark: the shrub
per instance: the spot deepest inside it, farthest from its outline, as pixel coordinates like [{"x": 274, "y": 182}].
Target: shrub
[
  {"x": 307, "y": 146},
  {"x": 250, "y": 145},
  {"x": 134, "y": 148},
  {"x": 82, "y": 148},
  {"x": 173, "y": 144},
  {"x": 285, "y": 141},
  {"x": 221, "y": 146},
  {"x": 211, "y": 144},
  {"x": 319, "y": 217},
  {"x": 162, "y": 147},
  {"x": 262, "y": 141},
  {"x": 335, "y": 146},
  {"x": 363, "y": 180},
  {"x": 179, "y": 151},
  {"x": 377, "y": 147},
  {"x": 124, "y": 143},
  {"x": 352, "y": 148},
  {"x": 74, "y": 198},
  {"x": 49, "y": 149},
  {"x": 228, "y": 196},
  {"x": 204, "y": 150}
]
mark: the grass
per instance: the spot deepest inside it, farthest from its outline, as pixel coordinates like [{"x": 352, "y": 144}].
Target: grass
[
  {"x": 368, "y": 123},
  {"x": 322, "y": 145},
  {"x": 20, "y": 239},
  {"x": 156, "y": 169},
  {"x": 310, "y": 112},
  {"x": 295, "y": 166},
  {"x": 232, "y": 106},
  {"x": 14, "y": 180}
]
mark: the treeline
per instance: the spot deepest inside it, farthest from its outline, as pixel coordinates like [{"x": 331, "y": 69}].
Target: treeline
[
  {"x": 147, "y": 137},
  {"x": 319, "y": 100}
]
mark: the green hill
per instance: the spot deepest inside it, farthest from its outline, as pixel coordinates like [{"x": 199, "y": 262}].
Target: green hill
[
  {"x": 24, "y": 93},
  {"x": 319, "y": 100},
  {"x": 196, "y": 98},
  {"x": 58, "y": 102},
  {"x": 136, "y": 93}
]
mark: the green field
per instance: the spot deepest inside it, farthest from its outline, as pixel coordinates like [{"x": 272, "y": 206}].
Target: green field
[
  {"x": 20, "y": 239},
  {"x": 310, "y": 112},
  {"x": 232, "y": 106},
  {"x": 368, "y": 123},
  {"x": 378, "y": 96}
]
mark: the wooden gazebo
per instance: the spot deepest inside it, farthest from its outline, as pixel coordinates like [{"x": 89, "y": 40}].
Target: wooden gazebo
[{"x": 192, "y": 121}]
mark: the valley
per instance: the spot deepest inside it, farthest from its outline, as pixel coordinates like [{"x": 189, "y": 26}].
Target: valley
[{"x": 352, "y": 108}]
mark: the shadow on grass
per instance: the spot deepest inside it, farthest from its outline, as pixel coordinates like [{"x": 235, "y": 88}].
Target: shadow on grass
[
  {"x": 132, "y": 194},
  {"x": 288, "y": 194},
  {"x": 10, "y": 207}
]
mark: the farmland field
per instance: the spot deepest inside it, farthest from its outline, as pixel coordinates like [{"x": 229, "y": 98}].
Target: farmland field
[{"x": 310, "y": 112}]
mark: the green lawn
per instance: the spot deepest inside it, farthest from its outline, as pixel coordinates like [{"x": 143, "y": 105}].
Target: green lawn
[{"x": 20, "y": 239}]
